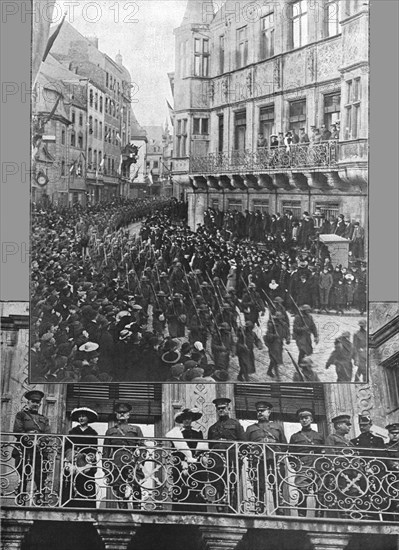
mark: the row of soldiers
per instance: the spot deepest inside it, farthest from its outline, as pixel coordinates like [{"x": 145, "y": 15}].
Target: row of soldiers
[{"x": 326, "y": 470}]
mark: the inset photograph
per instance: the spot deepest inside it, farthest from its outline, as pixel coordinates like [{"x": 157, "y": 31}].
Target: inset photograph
[{"x": 220, "y": 219}]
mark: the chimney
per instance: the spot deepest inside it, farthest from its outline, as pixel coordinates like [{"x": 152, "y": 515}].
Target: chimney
[{"x": 118, "y": 59}]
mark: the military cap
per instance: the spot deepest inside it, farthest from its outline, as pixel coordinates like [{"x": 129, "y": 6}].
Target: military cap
[
  {"x": 306, "y": 362},
  {"x": 33, "y": 395},
  {"x": 221, "y": 401},
  {"x": 177, "y": 370},
  {"x": 362, "y": 322},
  {"x": 190, "y": 364},
  {"x": 137, "y": 307},
  {"x": 393, "y": 428},
  {"x": 194, "y": 414},
  {"x": 195, "y": 372},
  {"x": 122, "y": 408},
  {"x": 224, "y": 326},
  {"x": 202, "y": 307},
  {"x": 91, "y": 415},
  {"x": 341, "y": 418},
  {"x": 186, "y": 346},
  {"x": 364, "y": 419},
  {"x": 305, "y": 411},
  {"x": 305, "y": 307},
  {"x": 278, "y": 315},
  {"x": 161, "y": 293},
  {"x": 279, "y": 300},
  {"x": 263, "y": 405}
]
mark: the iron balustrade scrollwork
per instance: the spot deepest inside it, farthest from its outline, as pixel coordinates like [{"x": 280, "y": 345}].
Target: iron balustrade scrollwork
[
  {"x": 252, "y": 479},
  {"x": 320, "y": 155}
]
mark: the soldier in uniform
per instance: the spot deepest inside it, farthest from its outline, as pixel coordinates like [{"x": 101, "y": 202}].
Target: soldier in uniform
[
  {"x": 360, "y": 351},
  {"x": 277, "y": 332},
  {"x": 263, "y": 462},
  {"x": 366, "y": 439},
  {"x": 307, "y": 443},
  {"x": 304, "y": 327},
  {"x": 30, "y": 453},
  {"x": 121, "y": 457},
  {"x": 223, "y": 455},
  {"x": 392, "y": 465}
]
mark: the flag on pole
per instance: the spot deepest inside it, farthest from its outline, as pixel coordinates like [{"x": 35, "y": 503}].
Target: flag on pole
[
  {"x": 102, "y": 162},
  {"x": 151, "y": 179},
  {"x": 171, "y": 112},
  {"x": 120, "y": 166},
  {"x": 72, "y": 167},
  {"x": 118, "y": 137},
  {"x": 52, "y": 38},
  {"x": 135, "y": 175}
]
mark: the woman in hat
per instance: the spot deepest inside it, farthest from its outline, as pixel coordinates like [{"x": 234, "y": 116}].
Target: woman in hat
[
  {"x": 185, "y": 467},
  {"x": 80, "y": 460}
]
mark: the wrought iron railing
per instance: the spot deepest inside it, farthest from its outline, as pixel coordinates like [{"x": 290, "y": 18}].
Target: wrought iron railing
[
  {"x": 252, "y": 479},
  {"x": 321, "y": 155}
]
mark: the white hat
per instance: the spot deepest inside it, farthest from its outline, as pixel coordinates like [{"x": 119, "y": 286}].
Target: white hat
[
  {"x": 198, "y": 346},
  {"x": 89, "y": 347}
]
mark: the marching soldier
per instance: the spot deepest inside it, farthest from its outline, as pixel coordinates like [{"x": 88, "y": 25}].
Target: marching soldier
[
  {"x": 277, "y": 332},
  {"x": 360, "y": 351},
  {"x": 304, "y": 327},
  {"x": 252, "y": 304},
  {"x": 176, "y": 316}
]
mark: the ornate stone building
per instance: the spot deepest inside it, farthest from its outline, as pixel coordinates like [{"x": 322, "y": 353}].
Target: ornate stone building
[
  {"x": 156, "y": 524},
  {"x": 247, "y": 70}
]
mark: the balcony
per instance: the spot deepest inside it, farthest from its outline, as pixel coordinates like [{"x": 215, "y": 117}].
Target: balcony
[
  {"x": 270, "y": 160},
  {"x": 251, "y": 480}
]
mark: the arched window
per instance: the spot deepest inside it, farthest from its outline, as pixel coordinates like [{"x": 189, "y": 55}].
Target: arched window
[
  {"x": 100, "y": 131},
  {"x": 95, "y": 159},
  {"x": 80, "y": 119},
  {"x": 95, "y": 128},
  {"x": 96, "y": 101},
  {"x": 90, "y": 124}
]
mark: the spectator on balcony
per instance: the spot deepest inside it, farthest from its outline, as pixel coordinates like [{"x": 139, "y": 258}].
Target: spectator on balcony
[
  {"x": 280, "y": 139},
  {"x": 367, "y": 439},
  {"x": 392, "y": 465},
  {"x": 274, "y": 142},
  {"x": 31, "y": 453},
  {"x": 303, "y": 136},
  {"x": 187, "y": 472},
  {"x": 325, "y": 133},
  {"x": 294, "y": 137},
  {"x": 121, "y": 458},
  {"x": 307, "y": 443},
  {"x": 315, "y": 138},
  {"x": 261, "y": 142},
  {"x": 223, "y": 455},
  {"x": 334, "y": 132},
  {"x": 81, "y": 460},
  {"x": 265, "y": 461},
  {"x": 288, "y": 141}
]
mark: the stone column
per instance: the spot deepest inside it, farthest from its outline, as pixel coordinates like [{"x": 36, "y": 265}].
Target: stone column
[
  {"x": 116, "y": 536},
  {"x": 13, "y": 533},
  {"x": 221, "y": 538},
  {"x": 329, "y": 541}
]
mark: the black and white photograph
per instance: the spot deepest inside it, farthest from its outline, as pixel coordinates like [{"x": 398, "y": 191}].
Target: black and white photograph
[
  {"x": 199, "y": 192},
  {"x": 193, "y": 466}
]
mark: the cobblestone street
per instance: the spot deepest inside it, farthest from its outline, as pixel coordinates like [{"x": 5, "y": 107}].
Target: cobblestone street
[{"x": 329, "y": 327}]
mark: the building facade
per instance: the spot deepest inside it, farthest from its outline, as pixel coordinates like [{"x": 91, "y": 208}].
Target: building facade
[
  {"x": 245, "y": 71},
  {"x": 99, "y": 122},
  {"x": 157, "y": 521}
]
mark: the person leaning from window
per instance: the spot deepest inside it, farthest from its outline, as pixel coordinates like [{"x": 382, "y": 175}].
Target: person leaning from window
[
  {"x": 30, "y": 453},
  {"x": 122, "y": 458},
  {"x": 305, "y": 444},
  {"x": 81, "y": 460}
]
